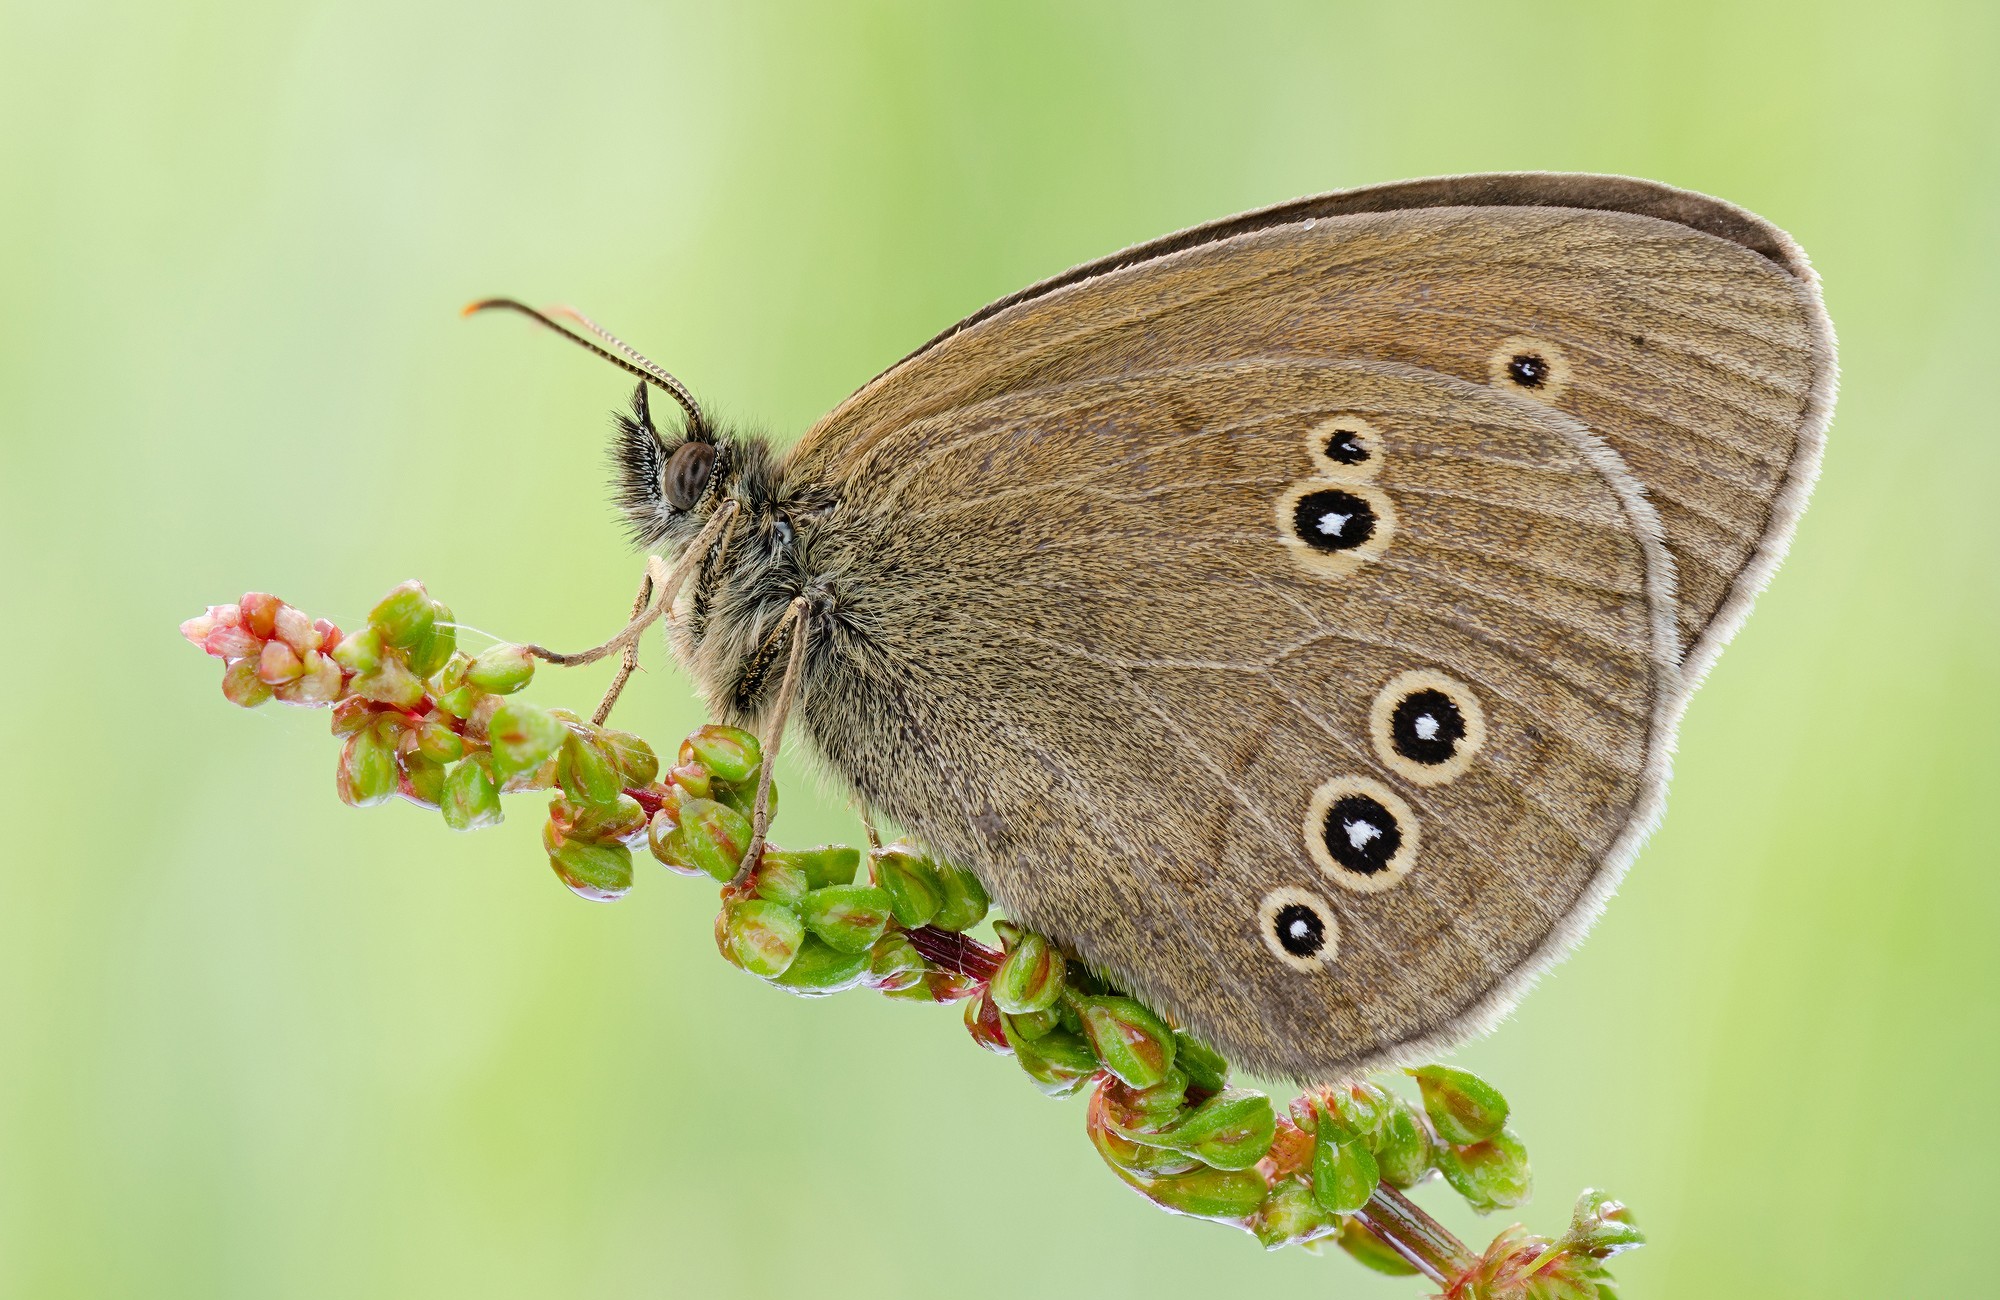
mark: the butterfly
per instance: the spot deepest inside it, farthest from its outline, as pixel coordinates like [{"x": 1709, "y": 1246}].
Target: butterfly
[{"x": 1291, "y": 616}]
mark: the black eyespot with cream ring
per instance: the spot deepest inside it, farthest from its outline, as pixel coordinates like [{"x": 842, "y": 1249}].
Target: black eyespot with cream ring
[
  {"x": 1533, "y": 367},
  {"x": 1333, "y": 519},
  {"x": 685, "y": 477},
  {"x": 1299, "y": 929},
  {"x": 1345, "y": 448},
  {"x": 1426, "y": 726},
  {"x": 1528, "y": 369},
  {"x": 1361, "y": 833}
]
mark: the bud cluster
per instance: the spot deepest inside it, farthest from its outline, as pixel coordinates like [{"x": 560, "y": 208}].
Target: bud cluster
[{"x": 424, "y": 720}]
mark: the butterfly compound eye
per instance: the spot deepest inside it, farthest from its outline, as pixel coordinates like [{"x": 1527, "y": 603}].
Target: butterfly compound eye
[{"x": 686, "y": 475}]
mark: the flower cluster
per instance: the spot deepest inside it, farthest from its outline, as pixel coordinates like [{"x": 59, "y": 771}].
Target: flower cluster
[{"x": 442, "y": 729}]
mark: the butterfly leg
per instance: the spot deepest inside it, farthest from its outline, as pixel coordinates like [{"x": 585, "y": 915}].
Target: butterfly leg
[{"x": 760, "y": 820}]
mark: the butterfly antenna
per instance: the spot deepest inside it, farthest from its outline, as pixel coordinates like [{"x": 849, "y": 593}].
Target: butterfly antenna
[{"x": 639, "y": 364}]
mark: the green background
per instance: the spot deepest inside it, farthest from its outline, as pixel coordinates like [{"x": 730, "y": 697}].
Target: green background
[{"x": 255, "y": 1044}]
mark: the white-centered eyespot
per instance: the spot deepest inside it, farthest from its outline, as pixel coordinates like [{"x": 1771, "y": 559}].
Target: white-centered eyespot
[
  {"x": 1533, "y": 367},
  {"x": 1426, "y": 726},
  {"x": 1332, "y": 528},
  {"x": 1299, "y": 929},
  {"x": 1361, "y": 833},
  {"x": 1345, "y": 448}
]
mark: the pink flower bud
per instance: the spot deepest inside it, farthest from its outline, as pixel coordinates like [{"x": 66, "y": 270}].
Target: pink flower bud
[
  {"x": 260, "y": 613},
  {"x": 232, "y": 643},
  {"x": 276, "y": 664},
  {"x": 295, "y": 630}
]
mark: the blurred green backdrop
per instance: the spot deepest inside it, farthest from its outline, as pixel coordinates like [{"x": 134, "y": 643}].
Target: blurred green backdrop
[{"x": 254, "y": 1044}]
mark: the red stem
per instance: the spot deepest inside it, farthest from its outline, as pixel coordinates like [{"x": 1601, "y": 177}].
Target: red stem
[{"x": 955, "y": 952}]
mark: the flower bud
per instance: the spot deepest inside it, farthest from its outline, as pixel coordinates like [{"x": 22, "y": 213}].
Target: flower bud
[
  {"x": 423, "y": 780},
  {"x": 763, "y": 937},
  {"x": 404, "y": 616},
  {"x": 1226, "y": 1195},
  {"x": 439, "y": 742},
  {"x": 895, "y": 964},
  {"x": 351, "y": 715},
  {"x": 779, "y": 878},
  {"x": 320, "y": 685},
  {"x": 622, "y": 820},
  {"x": 452, "y": 676},
  {"x": 522, "y": 737},
  {"x": 1030, "y": 977},
  {"x": 742, "y": 796},
  {"x": 601, "y": 873},
  {"x": 1402, "y": 1145},
  {"x": 433, "y": 650},
  {"x": 366, "y": 773},
  {"x": 713, "y": 837},
  {"x": 391, "y": 683},
  {"x": 1359, "y": 1107},
  {"x": 669, "y": 846},
  {"x": 1490, "y": 1175},
  {"x": 1129, "y": 1039},
  {"x": 1153, "y": 1108},
  {"x": 232, "y": 643},
  {"x": 326, "y": 635},
  {"x": 1344, "y": 1173},
  {"x": 849, "y": 917},
  {"x": 911, "y": 881},
  {"x": 1600, "y": 1227},
  {"x": 277, "y": 664},
  {"x": 1370, "y": 1250},
  {"x": 1463, "y": 1107},
  {"x": 501, "y": 669},
  {"x": 635, "y": 760},
  {"x": 1205, "y": 1067},
  {"x": 296, "y": 630},
  {"x": 260, "y": 613},
  {"x": 241, "y": 685},
  {"x": 729, "y": 753},
  {"x": 1231, "y": 1130},
  {"x": 1290, "y": 1215},
  {"x": 819, "y": 969},
  {"x": 470, "y": 800},
  {"x": 963, "y": 902},
  {"x": 1059, "y": 1061},
  {"x": 461, "y": 702},
  {"x": 198, "y": 628},
  {"x": 361, "y": 653},
  {"x": 586, "y": 772},
  {"x": 829, "y": 864},
  {"x": 982, "y": 1021}
]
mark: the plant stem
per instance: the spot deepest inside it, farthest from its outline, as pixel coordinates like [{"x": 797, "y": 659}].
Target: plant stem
[{"x": 1425, "y": 1243}]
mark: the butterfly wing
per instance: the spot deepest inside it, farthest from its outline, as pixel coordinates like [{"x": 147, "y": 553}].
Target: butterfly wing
[
  {"x": 1686, "y": 333},
  {"x": 1319, "y": 702}
]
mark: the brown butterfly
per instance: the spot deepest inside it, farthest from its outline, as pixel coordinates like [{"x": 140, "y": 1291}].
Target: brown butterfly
[{"x": 1291, "y": 616}]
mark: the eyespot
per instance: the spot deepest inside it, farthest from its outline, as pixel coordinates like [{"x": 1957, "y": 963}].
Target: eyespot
[
  {"x": 685, "y": 478},
  {"x": 1345, "y": 448},
  {"x": 1533, "y": 367},
  {"x": 1427, "y": 727},
  {"x": 1299, "y": 929},
  {"x": 1361, "y": 834},
  {"x": 1331, "y": 527}
]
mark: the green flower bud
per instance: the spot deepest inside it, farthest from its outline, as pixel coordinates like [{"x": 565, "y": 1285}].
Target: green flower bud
[
  {"x": 423, "y": 780},
  {"x": 830, "y": 864},
  {"x": 635, "y": 760},
  {"x": 1033, "y": 1024},
  {"x": 366, "y": 774},
  {"x": 601, "y": 873},
  {"x": 712, "y": 837},
  {"x": 439, "y": 743},
  {"x": 779, "y": 878},
  {"x": 1290, "y": 1215},
  {"x": 664, "y": 838},
  {"x": 1231, "y": 1130},
  {"x": 911, "y": 881},
  {"x": 1030, "y": 977},
  {"x": 1344, "y": 1172},
  {"x": 1370, "y": 1250},
  {"x": 849, "y": 917},
  {"x": 742, "y": 796},
  {"x": 894, "y": 964},
  {"x": 360, "y": 653},
  {"x": 460, "y": 701},
  {"x": 1205, "y": 1067},
  {"x": 586, "y": 772},
  {"x": 501, "y": 669},
  {"x": 1463, "y": 1107},
  {"x": 1600, "y": 1227},
  {"x": 1402, "y": 1145},
  {"x": 729, "y": 753},
  {"x": 1358, "y": 1106},
  {"x": 1490, "y": 1175},
  {"x": 278, "y": 663},
  {"x": 1227, "y": 1195},
  {"x": 1059, "y": 1061},
  {"x": 452, "y": 676},
  {"x": 693, "y": 778},
  {"x": 819, "y": 968},
  {"x": 982, "y": 1021},
  {"x": 1135, "y": 1162},
  {"x": 623, "y": 820},
  {"x": 1129, "y": 1039},
  {"x": 433, "y": 650},
  {"x": 763, "y": 936},
  {"x": 1156, "y": 1107},
  {"x": 470, "y": 800},
  {"x": 964, "y": 901},
  {"x": 242, "y": 686},
  {"x": 405, "y": 615},
  {"x": 391, "y": 683},
  {"x": 523, "y": 737}
]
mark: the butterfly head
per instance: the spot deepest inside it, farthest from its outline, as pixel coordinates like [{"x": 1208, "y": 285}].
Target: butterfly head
[{"x": 669, "y": 484}]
